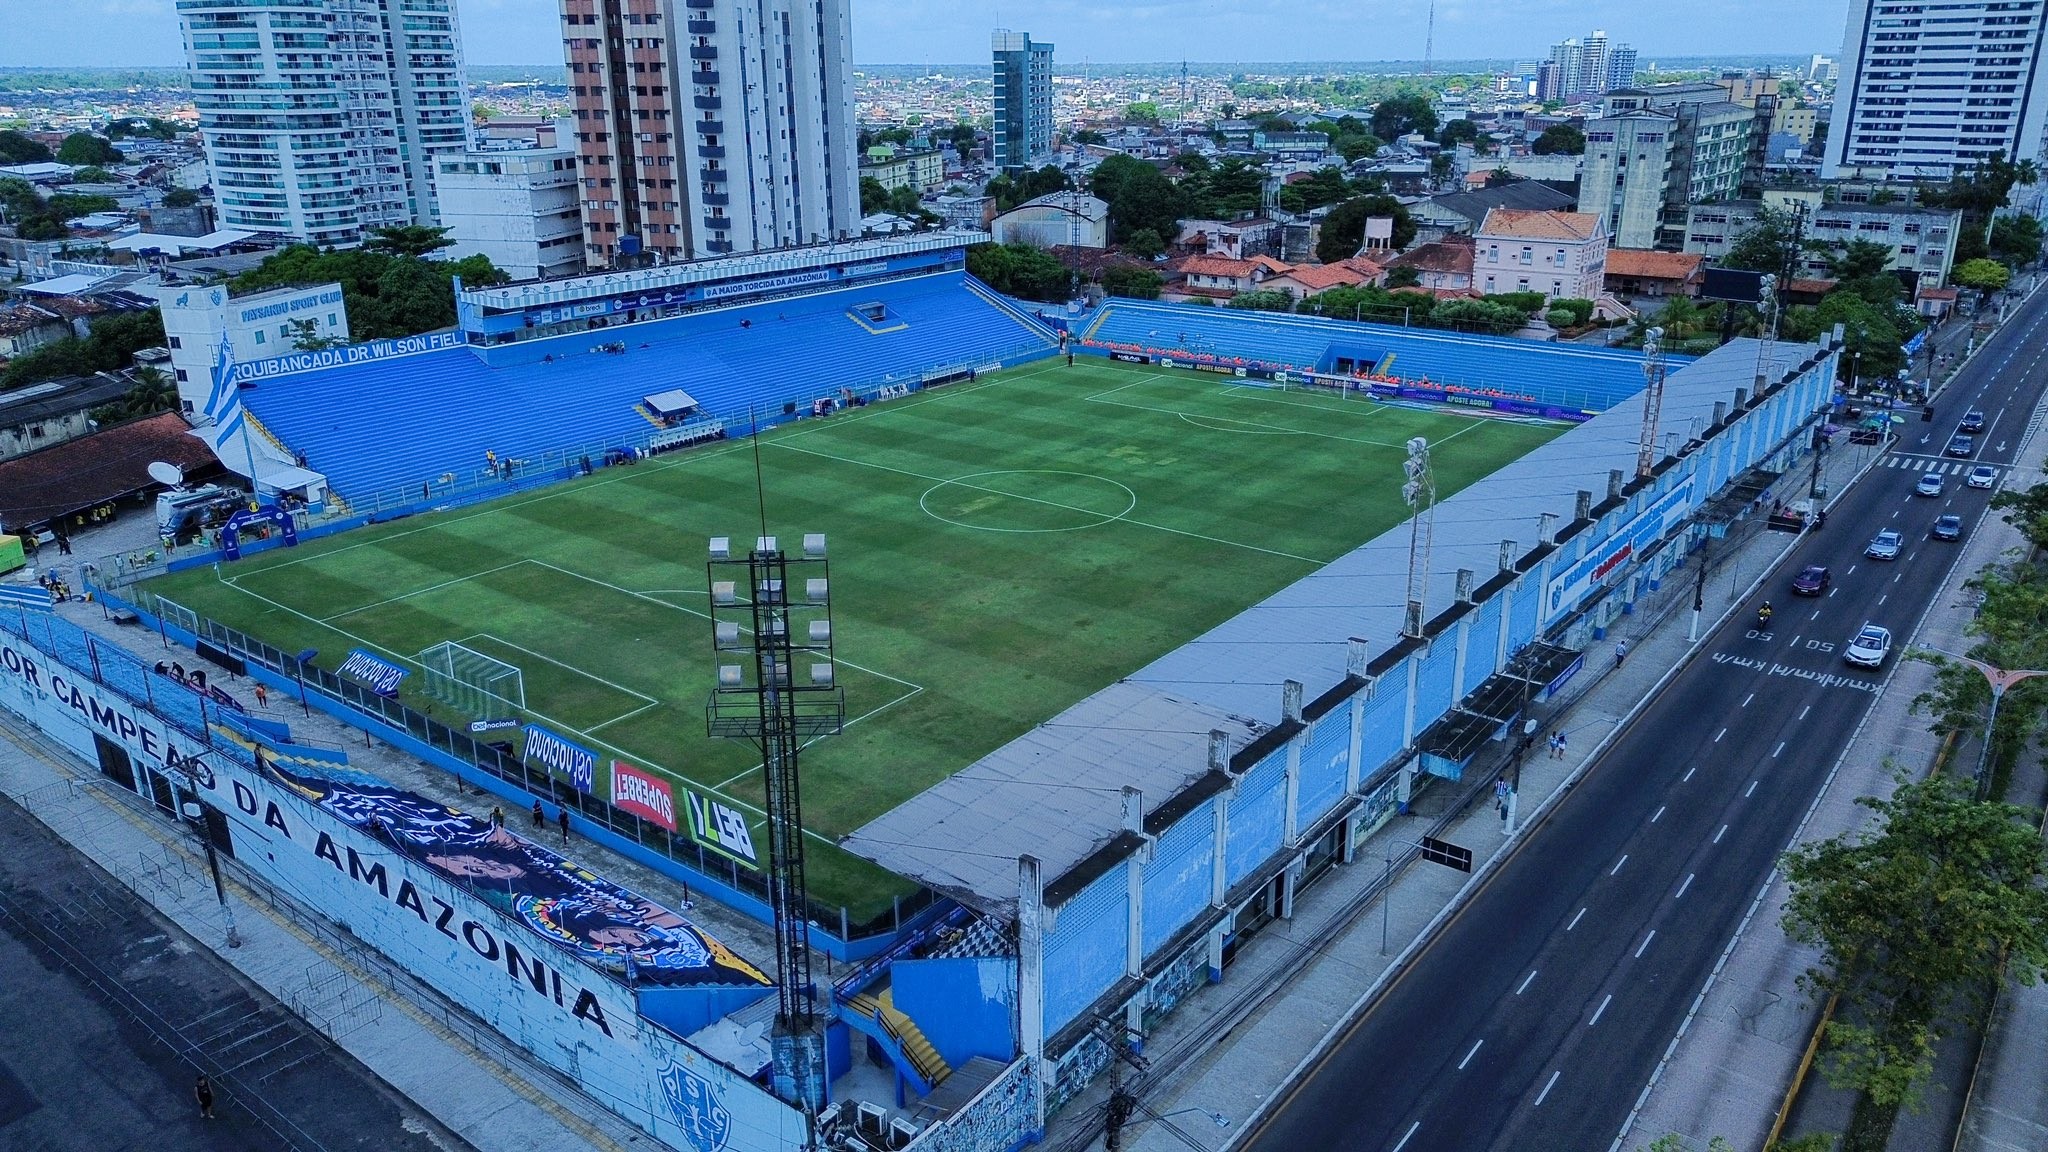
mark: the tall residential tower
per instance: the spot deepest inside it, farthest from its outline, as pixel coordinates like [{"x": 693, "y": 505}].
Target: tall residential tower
[
  {"x": 706, "y": 127},
  {"x": 321, "y": 118},
  {"x": 1023, "y": 76},
  {"x": 1927, "y": 90}
]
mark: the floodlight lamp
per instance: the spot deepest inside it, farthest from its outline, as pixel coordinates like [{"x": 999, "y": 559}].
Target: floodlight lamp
[
  {"x": 724, "y": 591},
  {"x": 821, "y": 675},
  {"x": 814, "y": 545},
  {"x": 728, "y": 632},
  {"x": 730, "y": 676},
  {"x": 815, "y": 591},
  {"x": 191, "y": 809},
  {"x": 721, "y": 547},
  {"x": 764, "y": 544},
  {"x": 1417, "y": 446},
  {"x": 1410, "y": 491},
  {"x": 821, "y": 631}
]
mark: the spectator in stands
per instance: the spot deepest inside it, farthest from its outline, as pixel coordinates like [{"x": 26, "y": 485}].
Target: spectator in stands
[{"x": 586, "y": 465}]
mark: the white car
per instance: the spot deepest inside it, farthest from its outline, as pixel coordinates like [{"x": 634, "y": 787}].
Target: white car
[
  {"x": 1982, "y": 476},
  {"x": 1929, "y": 485},
  {"x": 1869, "y": 648}
]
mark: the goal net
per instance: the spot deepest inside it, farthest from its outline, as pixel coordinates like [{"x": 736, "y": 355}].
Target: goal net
[{"x": 480, "y": 685}]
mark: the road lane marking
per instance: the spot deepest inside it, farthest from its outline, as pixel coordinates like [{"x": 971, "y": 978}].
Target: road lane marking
[
  {"x": 1794, "y": 643},
  {"x": 1660, "y": 812},
  {"x": 1851, "y": 571},
  {"x": 1802, "y": 716},
  {"x": 1749, "y": 791},
  {"x": 1718, "y": 735},
  {"x": 1468, "y": 1056},
  {"x": 1747, "y": 699},
  {"x": 1780, "y": 749},
  {"x": 1575, "y": 921},
  {"x": 1722, "y": 832},
  {"x": 1684, "y": 886},
  {"x": 1646, "y": 943},
  {"x": 1542, "y": 1094},
  {"x": 1815, "y": 616},
  {"x": 1694, "y": 768},
  {"x": 1881, "y": 599},
  {"x": 1525, "y": 982},
  {"x": 1600, "y": 1010},
  {"x": 1408, "y": 1136},
  {"x": 1618, "y": 864},
  {"x": 1832, "y": 591}
]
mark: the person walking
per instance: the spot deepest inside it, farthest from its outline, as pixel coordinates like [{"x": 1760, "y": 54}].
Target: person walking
[
  {"x": 1620, "y": 653},
  {"x": 540, "y": 819},
  {"x": 262, "y": 696},
  {"x": 202, "y": 1091},
  {"x": 497, "y": 817},
  {"x": 562, "y": 818}
]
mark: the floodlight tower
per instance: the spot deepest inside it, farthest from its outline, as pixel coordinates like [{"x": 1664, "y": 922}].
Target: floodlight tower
[
  {"x": 1420, "y": 495},
  {"x": 764, "y": 697},
  {"x": 1767, "y": 307},
  {"x": 1653, "y": 402}
]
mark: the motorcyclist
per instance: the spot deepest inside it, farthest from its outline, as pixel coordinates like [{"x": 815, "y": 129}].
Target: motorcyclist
[{"x": 1763, "y": 615}]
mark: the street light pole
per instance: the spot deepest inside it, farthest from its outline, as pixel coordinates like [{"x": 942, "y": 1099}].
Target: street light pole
[
  {"x": 195, "y": 815},
  {"x": 1999, "y": 679}
]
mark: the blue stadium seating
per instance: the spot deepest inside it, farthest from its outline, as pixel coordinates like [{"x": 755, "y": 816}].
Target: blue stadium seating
[
  {"x": 385, "y": 425},
  {"x": 1591, "y": 378}
]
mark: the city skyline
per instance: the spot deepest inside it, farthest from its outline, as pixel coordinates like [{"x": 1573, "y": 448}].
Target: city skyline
[{"x": 144, "y": 33}]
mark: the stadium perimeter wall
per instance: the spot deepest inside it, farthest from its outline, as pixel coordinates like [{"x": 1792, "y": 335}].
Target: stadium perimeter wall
[
  {"x": 1126, "y": 934},
  {"x": 572, "y": 1018}
]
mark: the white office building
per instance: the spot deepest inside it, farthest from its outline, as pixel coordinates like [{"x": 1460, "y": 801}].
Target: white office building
[
  {"x": 321, "y": 118},
  {"x": 707, "y": 127},
  {"x": 517, "y": 207},
  {"x": 1926, "y": 90}
]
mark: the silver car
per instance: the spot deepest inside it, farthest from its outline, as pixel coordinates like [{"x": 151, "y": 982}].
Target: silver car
[{"x": 1886, "y": 545}]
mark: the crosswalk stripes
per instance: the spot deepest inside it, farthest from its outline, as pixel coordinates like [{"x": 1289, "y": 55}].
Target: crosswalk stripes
[{"x": 1938, "y": 467}]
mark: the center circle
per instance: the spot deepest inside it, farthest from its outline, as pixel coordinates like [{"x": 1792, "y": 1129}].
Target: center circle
[{"x": 1028, "y": 500}]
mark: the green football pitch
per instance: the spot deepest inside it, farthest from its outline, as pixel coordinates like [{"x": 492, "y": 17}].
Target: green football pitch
[{"x": 1000, "y": 549}]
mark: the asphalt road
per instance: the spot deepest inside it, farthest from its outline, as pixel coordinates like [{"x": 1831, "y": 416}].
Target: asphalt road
[{"x": 1536, "y": 1016}]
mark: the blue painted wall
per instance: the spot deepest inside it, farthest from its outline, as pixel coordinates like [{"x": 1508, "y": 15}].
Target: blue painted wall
[
  {"x": 1084, "y": 952},
  {"x": 1380, "y": 735},
  {"x": 1177, "y": 879},
  {"x": 965, "y": 1005},
  {"x": 1480, "y": 645},
  {"x": 1257, "y": 817},
  {"x": 1324, "y": 761}
]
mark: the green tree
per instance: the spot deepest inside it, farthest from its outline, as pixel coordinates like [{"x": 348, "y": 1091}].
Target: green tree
[
  {"x": 1133, "y": 283},
  {"x": 2026, "y": 511},
  {"x": 1440, "y": 166},
  {"x": 963, "y": 138},
  {"x": 1020, "y": 270},
  {"x": 1397, "y": 116},
  {"x": 85, "y": 148},
  {"x": 1145, "y": 244},
  {"x": 306, "y": 336},
  {"x": 1262, "y": 300},
  {"x": 873, "y": 197},
  {"x": 1142, "y": 112},
  {"x": 1859, "y": 260},
  {"x": 1560, "y": 140},
  {"x": 180, "y": 198},
  {"x": 1983, "y": 276},
  {"x": 1487, "y": 316},
  {"x": 143, "y": 126},
  {"x": 92, "y": 174},
  {"x": 1140, "y": 197},
  {"x": 1404, "y": 276},
  {"x": 1228, "y": 189},
  {"x": 1766, "y": 246},
  {"x": 1911, "y": 916},
  {"x": 19, "y": 148},
  {"x": 72, "y": 205},
  {"x": 2016, "y": 240},
  {"x": 411, "y": 240},
  {"x": 1344, "y": 228},
  {"x": 1088, "y": 136},
  {"x": 1459, "y": 131},
  {"x": 111, "y": 341},
  {"x": 387, "y": 296}
]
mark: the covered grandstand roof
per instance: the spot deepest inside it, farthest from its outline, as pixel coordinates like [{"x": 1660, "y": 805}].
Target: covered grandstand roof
[{"x": 1056, "y": 792}]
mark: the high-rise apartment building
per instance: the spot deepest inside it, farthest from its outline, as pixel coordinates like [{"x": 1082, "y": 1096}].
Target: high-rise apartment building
[
  {"x": 1654, "y": 151},
  {"x": 1926, "y": 90},
  {"x": 321, "y": 118},
  {"x": 706, "y": 127},
  {"x": 1590, "y": 68},
  {"x": 1023, "y": 78}
]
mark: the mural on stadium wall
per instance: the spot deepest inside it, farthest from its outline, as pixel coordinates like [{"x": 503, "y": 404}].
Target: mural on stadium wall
[{"x": 604, "y": 924}]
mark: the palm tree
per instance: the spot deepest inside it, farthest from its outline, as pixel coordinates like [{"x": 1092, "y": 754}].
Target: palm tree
[{"x": 152, "y": 392}]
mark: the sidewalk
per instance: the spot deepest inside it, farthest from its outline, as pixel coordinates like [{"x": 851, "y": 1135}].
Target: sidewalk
[
  {"x": 2005, "y": 1110},
  {"x": 1729, "y": 1069},
  {"x": 1299, "y": 979}
]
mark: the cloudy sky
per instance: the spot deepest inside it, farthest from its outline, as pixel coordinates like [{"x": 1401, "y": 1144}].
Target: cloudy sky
[{"x": 145, "y": 32}]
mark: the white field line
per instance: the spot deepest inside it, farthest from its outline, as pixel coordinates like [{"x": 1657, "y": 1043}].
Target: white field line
[
  {"x": 420, "y": 591},
  {"x": 1247, "y": 423},
  {"x": 559, "y": 664},
  {"x": 1056, "y": 504}
]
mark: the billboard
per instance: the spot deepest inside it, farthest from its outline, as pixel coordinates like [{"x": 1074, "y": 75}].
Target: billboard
[
  {"x": 572, "y": 762},
  {"x": 1731, "y": 284},
  {"x": 385, "y": 862},
  {"x": 379, "y": 674},
  {"x": 721, "y": 828},
  {"x": 643, "y": 794}
]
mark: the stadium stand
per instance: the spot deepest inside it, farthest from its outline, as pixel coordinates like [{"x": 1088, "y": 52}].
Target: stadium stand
[
  {"x": 1597, "y": 379},
  {"x": 389, "y": 424}
]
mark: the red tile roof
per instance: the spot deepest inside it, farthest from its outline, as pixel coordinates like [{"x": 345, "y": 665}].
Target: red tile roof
[
  {"x": 1645, "y": 263},
  {"x": 1540, "y": 225},
  {"x": 96, "y": 469}
]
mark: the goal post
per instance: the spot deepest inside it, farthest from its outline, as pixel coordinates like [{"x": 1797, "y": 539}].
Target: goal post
[{"x": 480, "y": 685}]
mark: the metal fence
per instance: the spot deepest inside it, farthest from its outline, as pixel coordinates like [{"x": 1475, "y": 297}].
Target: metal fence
[{"x": 498, "y": 761}]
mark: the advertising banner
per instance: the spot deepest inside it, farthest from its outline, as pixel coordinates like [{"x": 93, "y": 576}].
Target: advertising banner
[
  {"x": 572, "y": 762},
  {"x": 721, "y": 828},
  {"x": 381, "y": 675},
  {"x": 643, "y": 794}
]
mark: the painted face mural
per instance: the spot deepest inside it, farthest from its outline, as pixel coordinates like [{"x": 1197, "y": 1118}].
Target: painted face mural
[{"x": 603, "y": 923}]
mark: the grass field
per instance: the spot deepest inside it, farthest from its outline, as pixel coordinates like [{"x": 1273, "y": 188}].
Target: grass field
[{"x": 1000, "y": 549}]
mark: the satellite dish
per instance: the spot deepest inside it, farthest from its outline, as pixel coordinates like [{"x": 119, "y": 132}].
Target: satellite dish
[{"x": 164, "y": 473}]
